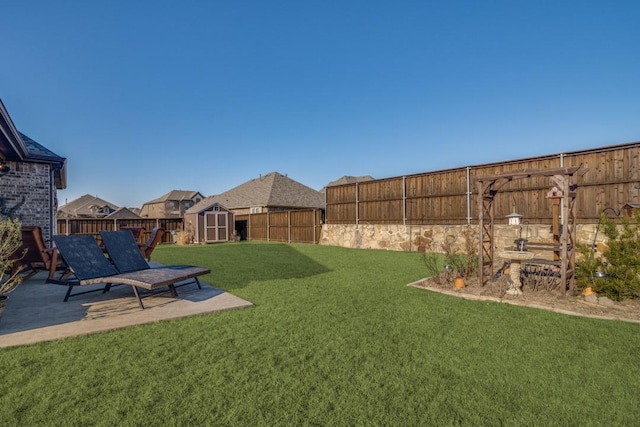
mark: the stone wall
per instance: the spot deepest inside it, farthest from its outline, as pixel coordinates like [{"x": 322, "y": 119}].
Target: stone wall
[
  {"x": 414, "y": 238},
  {"x": 25, "y": 193}
]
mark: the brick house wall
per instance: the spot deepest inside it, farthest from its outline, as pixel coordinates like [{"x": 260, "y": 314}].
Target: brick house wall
[{"x": 28, "y": 193}]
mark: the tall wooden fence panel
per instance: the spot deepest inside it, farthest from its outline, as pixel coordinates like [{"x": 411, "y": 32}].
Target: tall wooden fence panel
[
  {"x": 450, "y": 196},
  {"x": 341, "y": 204},
  {"x": 381, "y": 201},
  {"x": 298, "y": 226},
  {"x": 437, "y": 197},
  {"x": 612, "y": 181},
  {"x": 93, "y": 226}
]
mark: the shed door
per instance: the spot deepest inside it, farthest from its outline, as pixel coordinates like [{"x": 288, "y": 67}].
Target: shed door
[{"x": 216, "y": 227}]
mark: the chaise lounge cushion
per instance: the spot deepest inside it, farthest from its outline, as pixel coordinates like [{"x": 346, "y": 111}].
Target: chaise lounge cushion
[{"x": 90, "y": 266}]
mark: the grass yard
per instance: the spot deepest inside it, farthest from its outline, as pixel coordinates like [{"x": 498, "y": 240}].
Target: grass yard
[{"x": 335, "y": 338}]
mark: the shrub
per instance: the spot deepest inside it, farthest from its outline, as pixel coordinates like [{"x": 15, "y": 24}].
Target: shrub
[
  {"x": 619, "y": 262},
  {"x": 10, "y": 242},
  {"x": 456, "y": 260}
]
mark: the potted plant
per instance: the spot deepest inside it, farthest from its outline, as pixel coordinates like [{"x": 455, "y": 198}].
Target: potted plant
[{"x": 10, "y": 243}]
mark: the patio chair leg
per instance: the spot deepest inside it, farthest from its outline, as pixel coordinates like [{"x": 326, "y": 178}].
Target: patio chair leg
[
  {"x": 66, "y": 297},
  {"x": 135, "y": 291},
  {"x": 173, "y": 291}
]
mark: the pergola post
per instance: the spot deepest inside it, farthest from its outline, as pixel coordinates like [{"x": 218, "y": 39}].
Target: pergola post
[{"x": 486, "y": 192}]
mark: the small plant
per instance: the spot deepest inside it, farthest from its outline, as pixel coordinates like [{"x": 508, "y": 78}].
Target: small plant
[
  {"x": 454, "y": 261},
  {"x": 187, "y": 236},
  {"x": 614, "y": 273},
  {"x": 10, "y": 243},
  {"x": 434, "y": 261}
]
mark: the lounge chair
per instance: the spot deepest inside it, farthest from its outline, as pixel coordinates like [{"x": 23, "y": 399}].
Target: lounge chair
[
  {"x": 35, "y": 255},
  {"x": 156, "y": 237},
  {"x": 135, "y": 230},
  {"x": 89, "y": 266},
  {"x": 125, "y": 255}
]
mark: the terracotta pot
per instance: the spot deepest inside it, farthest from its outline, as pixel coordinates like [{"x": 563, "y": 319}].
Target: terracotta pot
[{"x": 458, "y": 283}]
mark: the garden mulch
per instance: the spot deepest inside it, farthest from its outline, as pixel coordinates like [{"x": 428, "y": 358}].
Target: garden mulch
[{"x": 551, "y": 300}]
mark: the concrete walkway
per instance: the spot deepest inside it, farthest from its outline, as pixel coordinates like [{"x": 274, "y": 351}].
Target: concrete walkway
[{"x": 36, "y": 312}]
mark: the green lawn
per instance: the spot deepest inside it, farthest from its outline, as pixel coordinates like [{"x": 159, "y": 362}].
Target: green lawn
[{"x": 335, "y": 338}]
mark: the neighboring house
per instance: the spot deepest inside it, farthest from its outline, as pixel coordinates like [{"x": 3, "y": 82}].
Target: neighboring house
[
  {"x": 123, "y": 213},
  {"x": 267, "y": 193},
  {"x": 87, "y": 206},
  {"x": 30, "y": 176},
  {"x": 348, "y": 179},
  {"x": 212, "y": 218},
  {"x": 171, "y": 205}
]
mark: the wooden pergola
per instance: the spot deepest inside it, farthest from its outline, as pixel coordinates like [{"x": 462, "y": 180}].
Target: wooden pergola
[{"x": 489, "y": 185}]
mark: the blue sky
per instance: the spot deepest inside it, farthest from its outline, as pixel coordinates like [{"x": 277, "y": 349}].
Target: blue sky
[{"x": 144, "y": 97}]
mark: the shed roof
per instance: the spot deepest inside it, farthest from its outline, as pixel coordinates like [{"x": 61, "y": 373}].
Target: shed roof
[
  {"x": 206, "y": 204},
  {"x": 270, "y": 190}
]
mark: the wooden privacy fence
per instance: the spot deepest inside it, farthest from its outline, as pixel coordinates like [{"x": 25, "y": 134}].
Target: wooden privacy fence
[
  {"x": 298, "y": 226},
  {"x": 449, "y": 196},
  {"x": 93, "y": 226}
]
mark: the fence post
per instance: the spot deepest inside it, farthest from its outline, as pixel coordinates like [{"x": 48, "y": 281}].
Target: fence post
[
  {"x": 404, "y": 200},
  {"x": 289, "y": 226},
  {"x": 468, "y": 195},
  {"x": 357, "y": 213}
]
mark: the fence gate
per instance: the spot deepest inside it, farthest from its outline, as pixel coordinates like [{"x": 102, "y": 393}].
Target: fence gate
[{"x": 216, "y": 227}]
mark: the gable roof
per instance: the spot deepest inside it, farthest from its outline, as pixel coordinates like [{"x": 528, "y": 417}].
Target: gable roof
[
  {"x": 38, "y": 152},
  {"x": 348, "y": 179},
  {"x": 270, "y": 190},
  {"x": 123, "y": 213},
  {"x": 11, "y": 145},
  {"x": 176, "y": 195},
  {"x": 206, "y": 204},
  {"x": 83, "y": 206},
  {"x": 17, "y": 146}
]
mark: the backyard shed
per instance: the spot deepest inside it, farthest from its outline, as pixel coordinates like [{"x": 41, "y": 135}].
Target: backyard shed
[{"x": 209, "y": 224}]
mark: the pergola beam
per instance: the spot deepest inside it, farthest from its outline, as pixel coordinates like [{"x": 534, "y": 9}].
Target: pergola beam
[{"x": 489, "y": 185}]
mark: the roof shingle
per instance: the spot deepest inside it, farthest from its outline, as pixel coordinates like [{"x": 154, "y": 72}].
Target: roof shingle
[{"x": 270, "y": 190}]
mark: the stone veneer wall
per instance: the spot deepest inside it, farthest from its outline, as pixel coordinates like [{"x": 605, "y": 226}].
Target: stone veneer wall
[
  {"x": 410, "y": 238},
  {"x": 25, "y": 194}
]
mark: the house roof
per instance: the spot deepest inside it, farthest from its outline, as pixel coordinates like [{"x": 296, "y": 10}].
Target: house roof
[
  {"x": 176, "y": 195},
  {"x": 123, "y": 213},
  {"x": 348, "y": 179},
  {"x": 270, "y": 190},
  {"x": 17, "y": 146},
  {"x": 82, "y": 205}
]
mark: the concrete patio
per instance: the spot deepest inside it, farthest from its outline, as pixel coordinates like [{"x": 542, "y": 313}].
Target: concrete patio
[{"x": 36, "y": 312}]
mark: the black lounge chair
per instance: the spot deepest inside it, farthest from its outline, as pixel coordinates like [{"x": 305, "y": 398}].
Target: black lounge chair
[
  {"x": 126, "y": 256},
  {"x": 89, "y": 266}
]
